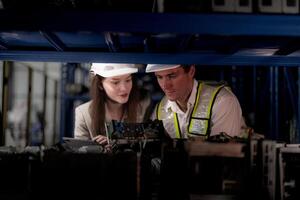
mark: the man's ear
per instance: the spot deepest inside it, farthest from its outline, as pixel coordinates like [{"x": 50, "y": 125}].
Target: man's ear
[{"x": 192, "y": 71}]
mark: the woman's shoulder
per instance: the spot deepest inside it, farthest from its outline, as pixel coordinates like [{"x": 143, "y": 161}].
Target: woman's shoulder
[{"x": 84, "y": 106}]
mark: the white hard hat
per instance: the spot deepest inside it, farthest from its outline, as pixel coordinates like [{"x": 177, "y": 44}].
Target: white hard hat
[
  {"x": 112, "y": 69},
  {"x": 159, "y": 67}
]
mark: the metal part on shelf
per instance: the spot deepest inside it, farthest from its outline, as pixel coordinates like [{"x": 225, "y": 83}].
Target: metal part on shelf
[
  {"x": 289, "y": 164},
  {"x": 270, "y": 167},
  {"x": 123, "y": 132}
]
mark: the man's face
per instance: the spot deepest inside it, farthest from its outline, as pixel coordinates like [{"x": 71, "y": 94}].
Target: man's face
[{"x": 176, "y": 83}]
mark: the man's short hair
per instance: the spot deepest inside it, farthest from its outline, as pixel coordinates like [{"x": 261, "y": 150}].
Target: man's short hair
[{"x": 186, "y": 68}]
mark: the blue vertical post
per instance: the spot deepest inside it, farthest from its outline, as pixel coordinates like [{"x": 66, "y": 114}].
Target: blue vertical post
[
  {"x": 222, "y": 77},
  {"x": 241, "y": 85},
  {"x": 274, "y": 108},
  {"x": 233, "y": 78},
  {"x": 62, "y": 101},
  {"x": 254, "y": 93},
  {"x": 68, "y": 71},
  {"x": 54, "y": 139},
  {"x": 271, "y": 131},
  {"x": 298, "y": 106},
  {"x": 276, "y": 102},
  {"x": 292, "y": 93}
]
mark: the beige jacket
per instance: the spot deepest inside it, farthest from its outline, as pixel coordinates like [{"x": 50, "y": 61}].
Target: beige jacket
[{"x": 83, "y": 122}]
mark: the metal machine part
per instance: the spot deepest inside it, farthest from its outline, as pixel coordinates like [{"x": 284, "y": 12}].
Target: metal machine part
[
  {"x": 123, "y": 136},
  {"x": 122, "y": 132}
]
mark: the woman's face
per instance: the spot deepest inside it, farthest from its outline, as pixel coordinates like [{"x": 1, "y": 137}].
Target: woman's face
[{"x": 118, "y": 88}]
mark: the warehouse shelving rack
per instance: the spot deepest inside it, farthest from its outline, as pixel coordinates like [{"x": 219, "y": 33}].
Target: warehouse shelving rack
[{"x": 267, "y": 44}]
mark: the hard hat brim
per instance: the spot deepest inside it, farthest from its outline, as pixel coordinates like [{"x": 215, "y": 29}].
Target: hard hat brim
[
  {"x": 159, "y": 67},
  {"x": 112, "y": 69}
]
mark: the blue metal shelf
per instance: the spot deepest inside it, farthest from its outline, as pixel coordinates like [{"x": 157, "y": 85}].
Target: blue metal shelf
[
  {"x": 184, "y": 58},
  {"x": 215, "y": 39},
  {"x": 216, "y": 24}
]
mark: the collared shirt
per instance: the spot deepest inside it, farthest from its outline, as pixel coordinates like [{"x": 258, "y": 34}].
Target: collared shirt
[{"x": 226, "y": 113}]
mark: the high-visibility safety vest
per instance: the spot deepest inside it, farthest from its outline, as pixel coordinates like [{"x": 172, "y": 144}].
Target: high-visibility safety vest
[{"x": 199, "y": 122}]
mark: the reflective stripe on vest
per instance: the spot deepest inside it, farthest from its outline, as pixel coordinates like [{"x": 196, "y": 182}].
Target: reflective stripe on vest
[{"x": 199, "y": 122}]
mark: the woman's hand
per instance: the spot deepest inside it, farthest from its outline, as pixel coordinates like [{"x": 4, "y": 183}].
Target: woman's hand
[{"x": 101, "y": 139}]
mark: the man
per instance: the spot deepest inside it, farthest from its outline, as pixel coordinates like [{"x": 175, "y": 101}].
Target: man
[{"x": 192, "y": 108}]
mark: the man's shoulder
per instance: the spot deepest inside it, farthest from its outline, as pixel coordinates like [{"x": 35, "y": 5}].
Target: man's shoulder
[
  {"x": 163, "y": 103},
  {"x": 226, "y": 96},
  {"x": 224, "y": 90},
  {"x": 163, "y": 100},
  {"x": 213, "y": 85}
]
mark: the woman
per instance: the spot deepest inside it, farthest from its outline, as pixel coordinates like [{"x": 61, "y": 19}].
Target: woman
[{"x": 115, "y": 96}]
